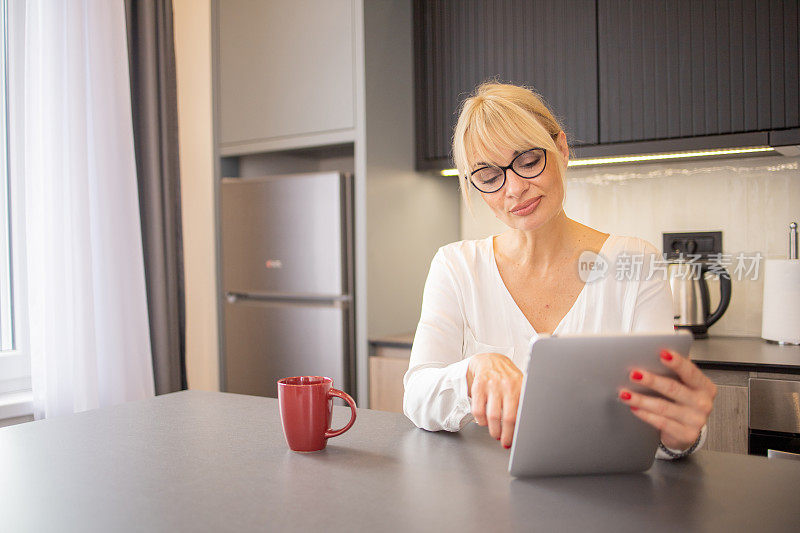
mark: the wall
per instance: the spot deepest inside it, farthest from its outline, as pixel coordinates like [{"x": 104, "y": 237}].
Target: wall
[
  {"x": 192, "y": 25},
  {"x": 409, "y": 214},
  {"x": 752, "y": 201}
]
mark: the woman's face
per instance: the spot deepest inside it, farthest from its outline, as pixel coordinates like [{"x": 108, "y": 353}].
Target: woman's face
[{"x": 527, "y": 204}]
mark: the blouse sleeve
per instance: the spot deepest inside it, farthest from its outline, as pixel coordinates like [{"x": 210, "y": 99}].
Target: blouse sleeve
[
  {"x": 436, "y": 395},
  {"x": 653, "y": 311}
]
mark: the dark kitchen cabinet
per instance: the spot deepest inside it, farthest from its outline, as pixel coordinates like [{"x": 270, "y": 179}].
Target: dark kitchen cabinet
[
  {"x": 548, "y": 44},
  {"x": 625, "y": 76},
  {"x": 688, "y": 68}
]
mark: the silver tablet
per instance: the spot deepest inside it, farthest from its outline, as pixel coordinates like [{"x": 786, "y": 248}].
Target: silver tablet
[{"x": 570, "y": 420}]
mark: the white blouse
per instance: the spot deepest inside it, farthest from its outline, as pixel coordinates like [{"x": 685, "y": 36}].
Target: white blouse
[{"x": 467, "y": 310}]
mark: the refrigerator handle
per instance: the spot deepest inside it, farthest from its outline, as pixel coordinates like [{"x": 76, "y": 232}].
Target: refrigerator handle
[{"x": 340, "y": 302}]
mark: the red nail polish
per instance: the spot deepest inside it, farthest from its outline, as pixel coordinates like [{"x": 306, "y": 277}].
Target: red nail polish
[
  {"x": 636, "y": 375},
  {"x": 666, "y": 356},
  {"x": 498, "y": 438},
  {"x": 506, "y": 446},
  {"x": 625, "y": 395},
  {"x": 634, "y": 408}
]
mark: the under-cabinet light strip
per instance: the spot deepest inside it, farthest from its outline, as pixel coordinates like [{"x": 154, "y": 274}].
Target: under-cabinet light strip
[{"x": 650, "y": 157}]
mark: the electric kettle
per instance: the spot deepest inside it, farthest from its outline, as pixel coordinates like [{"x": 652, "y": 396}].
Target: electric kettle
[{"x": 690, "y": 295}]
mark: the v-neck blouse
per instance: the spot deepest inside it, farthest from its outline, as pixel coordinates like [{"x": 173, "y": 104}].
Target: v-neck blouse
[
  {"x": 467, "y": 310},
  {"x": 579, "y": 300}
]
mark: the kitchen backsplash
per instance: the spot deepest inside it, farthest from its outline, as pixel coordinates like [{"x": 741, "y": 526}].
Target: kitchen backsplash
[{"x": 752, "y": 201}]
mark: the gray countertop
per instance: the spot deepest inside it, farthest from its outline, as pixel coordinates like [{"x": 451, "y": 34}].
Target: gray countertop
[
  {"x": 745, "y": 352},
  {"x": 401, "y": 340},
  {"x": 202, "y": 461},
  {"x": 718, "y": 351}
]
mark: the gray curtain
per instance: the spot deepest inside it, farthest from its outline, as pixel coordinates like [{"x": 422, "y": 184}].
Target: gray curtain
[{"x": 151, "y": 54}]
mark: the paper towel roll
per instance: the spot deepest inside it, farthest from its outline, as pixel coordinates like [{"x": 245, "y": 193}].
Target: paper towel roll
[{"x": 781, "y": 316}]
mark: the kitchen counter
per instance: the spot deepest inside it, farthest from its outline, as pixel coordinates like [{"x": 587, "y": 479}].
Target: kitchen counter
[
  {"x": 401, "y": 340},
  {"x": 203, "y": 461},
  {"x": 745, "y": 353},
  {"x": 742, "y": 353}
]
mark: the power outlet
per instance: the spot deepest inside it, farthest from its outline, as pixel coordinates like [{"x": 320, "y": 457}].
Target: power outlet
[{"x": 702, "y": 243}]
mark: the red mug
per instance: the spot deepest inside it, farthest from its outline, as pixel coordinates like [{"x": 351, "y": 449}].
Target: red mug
[{"x": 306, "y": 404}]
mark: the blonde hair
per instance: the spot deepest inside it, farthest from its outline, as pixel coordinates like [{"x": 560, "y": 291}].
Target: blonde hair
[{"x": 502, "y": 116}]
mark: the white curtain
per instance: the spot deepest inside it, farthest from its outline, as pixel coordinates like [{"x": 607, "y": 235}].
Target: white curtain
[{"x": 87, "y": 310}]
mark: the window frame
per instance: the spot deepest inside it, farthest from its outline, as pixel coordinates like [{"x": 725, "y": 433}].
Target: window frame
[{"x": 15, "y": 364}]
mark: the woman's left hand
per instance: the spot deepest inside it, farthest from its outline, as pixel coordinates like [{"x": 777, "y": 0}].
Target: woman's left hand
[{"x": 689, "y": 401}]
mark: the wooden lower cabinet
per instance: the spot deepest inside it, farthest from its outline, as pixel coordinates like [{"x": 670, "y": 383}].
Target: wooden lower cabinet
[
  {"x": 727, "y": 425},
  {"x": 386, "y": 383}
]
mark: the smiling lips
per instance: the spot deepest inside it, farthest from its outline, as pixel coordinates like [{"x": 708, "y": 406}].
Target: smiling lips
[{"x": 526, "y": 208}]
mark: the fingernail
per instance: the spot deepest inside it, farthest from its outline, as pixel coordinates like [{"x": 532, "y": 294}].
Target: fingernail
[
  {"x": 634, "y": 408},
  {"x": 666, "y": 356},
  {"x": 498, "y": 438},
  {"x": 625, "y": 395},
  {"x": 506, "y": 446},
  {"x": 636, "y": 375}
]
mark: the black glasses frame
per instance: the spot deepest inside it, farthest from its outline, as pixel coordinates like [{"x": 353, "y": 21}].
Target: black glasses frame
[{"x": 509, "y": 166}]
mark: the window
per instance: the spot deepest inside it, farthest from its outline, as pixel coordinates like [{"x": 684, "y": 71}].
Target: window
[
  {"x": 15, "y": 368},
  {"x": 6, "y": 316}
]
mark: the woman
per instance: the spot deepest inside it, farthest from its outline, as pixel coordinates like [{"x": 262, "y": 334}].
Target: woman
[{"x": 484, "y": 300}]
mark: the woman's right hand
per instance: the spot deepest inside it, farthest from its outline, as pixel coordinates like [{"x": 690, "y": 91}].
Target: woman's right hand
[{"x": 494, "y": 382}]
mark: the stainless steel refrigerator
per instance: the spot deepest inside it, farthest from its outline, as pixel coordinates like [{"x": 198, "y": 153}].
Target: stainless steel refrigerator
[{"x": 287, "y": 270}]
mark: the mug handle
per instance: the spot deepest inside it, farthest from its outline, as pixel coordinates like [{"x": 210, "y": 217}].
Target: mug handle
[{"x": 346, "y": 397}]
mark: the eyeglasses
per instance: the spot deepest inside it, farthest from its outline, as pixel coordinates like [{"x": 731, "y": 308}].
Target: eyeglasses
[{"x": 528, "y": 164}]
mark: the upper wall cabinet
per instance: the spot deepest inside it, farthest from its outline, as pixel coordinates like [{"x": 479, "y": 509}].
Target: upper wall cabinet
[
  {"x": 687, "y": 68},
  {"x": 625, "y": 76},
  {"x": 286, "y": 73},
  {"x": 548, "y": 44}
]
